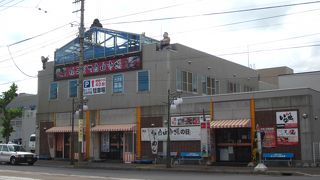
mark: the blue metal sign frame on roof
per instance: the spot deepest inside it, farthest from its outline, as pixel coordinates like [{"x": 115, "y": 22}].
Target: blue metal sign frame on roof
[{"x": 101, "y": 43}]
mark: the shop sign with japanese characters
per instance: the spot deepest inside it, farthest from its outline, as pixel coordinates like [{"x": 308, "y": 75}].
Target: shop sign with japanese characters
[
  {"x": 188, "y": 120},
  {"x": 101, "y": 66},
  {"x": 94, "y": 86},
  {"x": 176, "y": 133},
  {"x": 287, "y": 136},
  {"x": 287, "y": 119}
]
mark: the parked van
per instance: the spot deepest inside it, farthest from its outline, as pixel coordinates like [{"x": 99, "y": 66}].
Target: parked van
[{"x": 32, "y": 143}]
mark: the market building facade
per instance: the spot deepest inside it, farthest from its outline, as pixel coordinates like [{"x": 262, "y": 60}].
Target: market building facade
[
  {"x": 130, "y": 83},
  {"x": 126, "y": 74}
]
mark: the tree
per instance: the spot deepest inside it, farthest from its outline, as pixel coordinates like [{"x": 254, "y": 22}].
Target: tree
[{"x": 8, "y": 114}]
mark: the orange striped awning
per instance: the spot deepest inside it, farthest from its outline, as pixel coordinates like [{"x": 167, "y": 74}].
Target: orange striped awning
[
  {"x": 62, "y": 129},
  {"x": 113, "y": 127},
  {"x": 231, "y": 123}
]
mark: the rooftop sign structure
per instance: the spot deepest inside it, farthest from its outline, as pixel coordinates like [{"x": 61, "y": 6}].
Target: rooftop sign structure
[
  {"x": 100, "y": 43},
  {"x": 105, "y": 51}
]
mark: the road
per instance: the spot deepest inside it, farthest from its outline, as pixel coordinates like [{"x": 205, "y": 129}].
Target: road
[{"x": 24, "y": 172}]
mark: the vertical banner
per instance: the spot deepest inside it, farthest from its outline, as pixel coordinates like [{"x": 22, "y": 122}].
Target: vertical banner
[
  {"x": 153, "y": 140},
  {"x": 205, "y": 130},
  {"x": 80, "y": 134},
  {"x": 105, "y": 142}
]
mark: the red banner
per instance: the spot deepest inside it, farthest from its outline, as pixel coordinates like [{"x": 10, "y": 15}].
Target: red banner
[
  {"x": 269, "y": 139},
  {"x": 105, "y": 66}
]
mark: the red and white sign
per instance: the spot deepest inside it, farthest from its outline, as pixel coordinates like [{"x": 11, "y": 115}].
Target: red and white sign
[
  {"x": 287, "y": 136},
  {"x": 269, "y": 139},
  {"x": 105, "y": 66}
]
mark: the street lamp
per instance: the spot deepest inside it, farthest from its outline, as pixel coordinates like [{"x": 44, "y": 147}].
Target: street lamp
[
  {"x": 260, "y": 167},
  {"x": 174, "y": 99}
]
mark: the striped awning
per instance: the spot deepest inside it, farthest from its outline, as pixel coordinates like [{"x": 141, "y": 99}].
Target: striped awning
[
  {"x": 113, "y": 127},
  {"x": 62, "y": 129},
  {"x": 231, "y": 123}
]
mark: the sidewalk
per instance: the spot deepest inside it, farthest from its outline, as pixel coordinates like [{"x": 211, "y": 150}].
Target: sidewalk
[{"x": 183, "y": 168}]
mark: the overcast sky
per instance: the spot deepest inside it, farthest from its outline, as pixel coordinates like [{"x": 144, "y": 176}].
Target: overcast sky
[{"x": 262, "y": 38}]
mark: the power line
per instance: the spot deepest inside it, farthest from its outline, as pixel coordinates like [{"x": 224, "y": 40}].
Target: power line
[
  {"x": 30, "y": 38},
  {"x": 146, "y": 11},
  {"x": 214, "y": 13},
  {"x": 11, "y": 5},
  {"x": 274, "y": 49},
  {"x": 17, "y": 65},
  {"x": 247, "y": 21},
  {"x": 42, "y": 46}
]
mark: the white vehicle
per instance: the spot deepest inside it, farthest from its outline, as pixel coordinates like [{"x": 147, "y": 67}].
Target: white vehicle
[
  {"x": 14, "y": 154},
  {"x": 32, "y": 142}
]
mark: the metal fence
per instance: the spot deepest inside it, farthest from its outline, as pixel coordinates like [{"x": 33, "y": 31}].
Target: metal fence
[{"x": 316, "y": 153}]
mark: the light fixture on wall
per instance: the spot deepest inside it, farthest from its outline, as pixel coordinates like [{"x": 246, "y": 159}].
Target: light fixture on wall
[
  {"x": 316, "y": 117},
  {"x": 189, "y": 62},
  {"x": 304, "y": 115}
]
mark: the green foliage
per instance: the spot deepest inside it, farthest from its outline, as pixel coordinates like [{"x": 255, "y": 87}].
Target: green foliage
[{"x": 8, "y": 114}]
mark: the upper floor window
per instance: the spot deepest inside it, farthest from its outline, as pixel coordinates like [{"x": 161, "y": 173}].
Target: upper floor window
[
  {"x": 143, "y": 81},
  {"x": 233, "y": 87},
  {"x": 117, "y": 83},
  {"x": 187, "y": 81},
  {"x": 73, "y": 88},
  {"x": 209, "y": 85},
  {"x": 217, "y": 87},
  {"x": 53, "y": 91}
]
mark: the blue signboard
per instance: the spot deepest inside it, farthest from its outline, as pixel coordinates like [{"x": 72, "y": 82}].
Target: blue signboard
[{"x": 278, "y": 155}]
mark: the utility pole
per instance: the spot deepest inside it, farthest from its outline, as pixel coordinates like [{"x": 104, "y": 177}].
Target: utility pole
[{"x": 81, "y": 56}]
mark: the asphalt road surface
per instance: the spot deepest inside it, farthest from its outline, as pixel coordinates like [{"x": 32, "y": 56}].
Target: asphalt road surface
[{"x": 24, "y": 172}]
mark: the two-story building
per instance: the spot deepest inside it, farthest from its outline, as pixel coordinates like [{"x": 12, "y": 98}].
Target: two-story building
[{"x": 125, "y": 76}]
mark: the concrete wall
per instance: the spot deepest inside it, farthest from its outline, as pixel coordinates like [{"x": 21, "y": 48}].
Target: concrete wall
[
  {"x": 309, "y": 79},
  {"x": 270, "y": 75}
]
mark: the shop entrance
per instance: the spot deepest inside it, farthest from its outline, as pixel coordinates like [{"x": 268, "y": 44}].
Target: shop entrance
[{"x": 113, "y": 145}]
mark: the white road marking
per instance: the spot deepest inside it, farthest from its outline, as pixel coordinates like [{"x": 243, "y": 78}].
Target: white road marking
[
  {"x": 54, "y": 174},
  {"x": 15, "y": 178}
]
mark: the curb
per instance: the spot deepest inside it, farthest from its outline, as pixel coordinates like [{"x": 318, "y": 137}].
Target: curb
[{"x": 178, "y": 169}]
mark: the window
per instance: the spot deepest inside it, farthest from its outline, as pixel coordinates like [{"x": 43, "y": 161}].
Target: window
[
  {"x": 233, "y": 87},
  {"x": 53, "y": 91},
  {"x": 187, "y": 81},
  {"x": 5, "y": 148},
  {"x": 73, "y": 88},
  {"x": 211, "y": 82},
  {"x": 217, "y": 87},
  {"x": 117, "y": 83},
  {"x": 179, "y": 80},
  {"x": 204, "y": 84},
  {"x": 143, "y": 81}
]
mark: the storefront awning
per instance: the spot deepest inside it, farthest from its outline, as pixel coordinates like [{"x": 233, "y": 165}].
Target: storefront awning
[
  {"x": 113, "y": 127},
  {"x": 62, "y": 129},
  {"x": 231, "y": 123}
]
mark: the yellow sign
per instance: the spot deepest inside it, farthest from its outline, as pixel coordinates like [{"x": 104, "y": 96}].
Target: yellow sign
[{"x": 80, "y": 134}]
